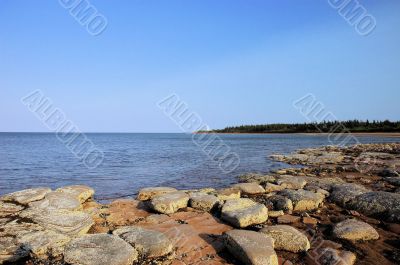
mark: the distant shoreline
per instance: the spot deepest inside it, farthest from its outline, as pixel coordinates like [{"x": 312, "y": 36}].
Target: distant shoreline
[{"x": 385, "y": 134}]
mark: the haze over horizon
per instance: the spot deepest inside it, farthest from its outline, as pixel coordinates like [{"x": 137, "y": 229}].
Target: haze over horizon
[{"x": 233, "y": 63}]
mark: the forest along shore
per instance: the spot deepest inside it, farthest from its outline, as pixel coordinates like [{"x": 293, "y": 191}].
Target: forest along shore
[{"x": 342, "y": 207}]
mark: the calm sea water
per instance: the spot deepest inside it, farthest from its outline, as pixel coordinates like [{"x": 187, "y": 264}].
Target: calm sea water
[{"x": 133, "y": 161}]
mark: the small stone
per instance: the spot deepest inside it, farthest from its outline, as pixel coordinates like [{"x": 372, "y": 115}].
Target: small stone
[
  {"x": 251, "y": 188},
  {"x": 288, "y": 219},
  {"x": 244, "y": 212},
  {"x": 303, "y": 200},
  {"x": 287, "y": 238},
  {"x": 26, "y": 196},
  {"x": 57, "y": 201},
  {"x": 251, "y": 248},
  {"x": 275, "y": 213},
  {"x": 148, "y": 243},
  {"x": 80, "y": 192},
  {"x": 169, "y": 203},
  {"x": 203, "y": 202},
  {"x": 355, "y": 230},
  {"x": 40, "y": 243},
  {"x": 99, "y": 249},
  {"x": 229, "y": 193}
]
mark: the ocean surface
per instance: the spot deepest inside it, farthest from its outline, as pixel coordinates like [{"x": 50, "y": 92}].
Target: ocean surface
[{"x": 137, "y": 160}]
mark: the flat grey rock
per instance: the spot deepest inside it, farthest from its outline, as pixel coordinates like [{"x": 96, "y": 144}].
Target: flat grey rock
[
  {"x": 169, "y": 203},
  {"x": 54, "y": 201},
  {"x": 303, "y": 200},
  {"x": 80, "y": 192},
  {"x": 99, "y": 249},
  {"x": 342, "y": 194},
  {"x": 26, "y": 196},
  {"x": 243, "y": 212},
  {"x": 251, "y": 248},
  {"x": 203, "y": 202},
  {"x": 355, "y": 230},
  {"x": 287, "y": 238}
]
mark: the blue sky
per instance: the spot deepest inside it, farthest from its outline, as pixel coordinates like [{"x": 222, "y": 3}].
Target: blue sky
[{"x": 232, "y": 62}]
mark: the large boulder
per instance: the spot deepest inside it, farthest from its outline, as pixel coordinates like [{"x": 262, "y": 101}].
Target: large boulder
[
  {"x": 287, "y": 238},
  {"x": 26, "y": 196},
  {"x": 99, "y": 249},
  {"x": 148, "y": 243},
  {"x": 380, "y": 204},
  {"x": 251, "y": 188},
  {"x": 341, "y": 194},
  {"x": 251, "y": 248},
  {"x": 203, "y": 201},
  {"x": 243, "y": 212},
  {"x": 148, "y": 193},
  {"x": 169, "y": 203},
  {"x": 80, "y": 192},
  {"x": 303, "y": 200},
  {"x": 355, "y": 230}
]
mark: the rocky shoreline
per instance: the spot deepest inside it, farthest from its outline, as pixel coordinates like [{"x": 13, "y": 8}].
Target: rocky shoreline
[{"x": 341, "y": 207}]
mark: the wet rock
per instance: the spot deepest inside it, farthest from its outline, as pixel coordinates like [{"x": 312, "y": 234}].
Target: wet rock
[
  {"x": 288, "y": 219},
  {"x": 243, "y": 212},
  {"x": 251, "y": 248},
  {"x": 54, "y": 201},
  {"x": 99, "y": 249},
  {"x": 378, "y": 203},
  {"x": 393, "y": 180},
  {"x": 355, "y": 230},
  {"x": 287, "y": 238},
  {"x": 70, "y": 223},
  {"x": 229, "y": 193},
  {"x": 9, "y": 209},
  {"x": 11, "y": 250},
  {"x": 40, "y": 243},
  {"x": 80, "y": 192},
  {"x": 126, "y": 211},
  {"x": 303, "y": 200},
  {"x": 251, "y": 188},
  {"x": 26, "y": 196},
  {"x": 203, "y": 202},
  {"x": 148, "y": 193},
  {"x": 388, "y": 173},
  {"x": 343, "y": 193},
  {"x": 169, "y": 202},
  {"x": 291, "y": 182},
  {"x": 148, "y": 243}
]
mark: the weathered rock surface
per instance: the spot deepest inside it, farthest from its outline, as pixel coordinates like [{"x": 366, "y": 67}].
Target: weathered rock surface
[
  {"x": 343, "y": 193},
  {"x": 243, "y": 212},
  {"x": 40, "y": 243},
  {"x": 80, "y": 192},
  {"x": 66, "y": 222},
  {"x": 393, "y": 180},
  {"x": 330, "y": 256},
  {"x": 148, "y": 193},
  {"x": 99, "y": 249},
  {"x": 269, "y": 187},
  {"x": 54, "y": 201},
  {"x": 11, "y": 250},
  {"x": 203, "y": 201},
  {"x": 355, "y": 230},
  {"x": 281, "y": 203},
  {"x": 148, "y": 243},
  {"x": 169, "y": 202},
  {"x": 18, "y": 228},
  {"x": 252, "y": 248},
  {"x": 303, "y": 200},
  {"x": 257, "y": 178},
  {"x": 26, "y": 196},
  {"x": 288, "y": 219},
  {"x": 287, "y": 238},
  {"x": 378, "y": 203},
  {"x": 125, "y": 211},
  {"x": 9, "y": 209},
  {"x": 251, "y": 188}
]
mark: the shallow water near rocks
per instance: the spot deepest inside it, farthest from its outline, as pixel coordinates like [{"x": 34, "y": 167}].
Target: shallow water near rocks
[{"x": 136, "y": 160}]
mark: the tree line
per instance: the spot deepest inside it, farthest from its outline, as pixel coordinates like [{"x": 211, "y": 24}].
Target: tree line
[{"x": 316, "y": 127}]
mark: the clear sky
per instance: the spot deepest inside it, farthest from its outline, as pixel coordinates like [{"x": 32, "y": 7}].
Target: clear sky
[{"x": 232, "y": 62}]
